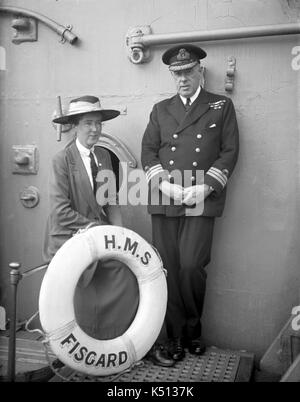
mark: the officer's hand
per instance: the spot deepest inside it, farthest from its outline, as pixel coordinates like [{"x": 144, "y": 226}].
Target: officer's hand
[
  {"x": 170, "y": 190},
  {"x": 194, "y": 194},
  {"x": 189, "y": 196},
  {"x": 177, "y": 192}
]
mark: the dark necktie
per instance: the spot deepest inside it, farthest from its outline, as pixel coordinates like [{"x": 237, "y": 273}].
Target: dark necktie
[
  {"x": 94, "y": 169},
  {"x": 187, "y": 104}
]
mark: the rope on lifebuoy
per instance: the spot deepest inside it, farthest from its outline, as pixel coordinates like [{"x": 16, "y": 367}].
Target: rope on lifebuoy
[
  {"x": 60, "y": 332},
  {"x": 67, "y": 340},
  {"x": 56, "y": 372}
]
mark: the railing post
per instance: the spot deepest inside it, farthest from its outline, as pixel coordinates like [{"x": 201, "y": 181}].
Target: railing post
[{"x": 15, "y": 277}]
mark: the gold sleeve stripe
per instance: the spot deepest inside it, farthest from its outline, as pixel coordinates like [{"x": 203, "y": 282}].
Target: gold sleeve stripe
[
  {"x": 218, "y": 175},
  {"x": 154, "y": 171}
]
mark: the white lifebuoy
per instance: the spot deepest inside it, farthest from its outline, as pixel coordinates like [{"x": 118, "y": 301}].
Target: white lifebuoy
[{"x": 67, "y": 340}]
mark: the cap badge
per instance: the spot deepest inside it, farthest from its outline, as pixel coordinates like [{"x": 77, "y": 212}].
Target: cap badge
[{"x": 183, "y": 55}]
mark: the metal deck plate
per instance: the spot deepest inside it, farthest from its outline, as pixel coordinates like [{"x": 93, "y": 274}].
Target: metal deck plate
[{"x": 216, "y": 365}]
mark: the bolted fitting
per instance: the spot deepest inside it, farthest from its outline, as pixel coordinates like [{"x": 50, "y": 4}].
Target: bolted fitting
[
  {"x": 25, "y": 30},
  {"x": 230, "y": 74},
  {"x": 137, "y": 53},
  {"x": 15, "y": 275}
]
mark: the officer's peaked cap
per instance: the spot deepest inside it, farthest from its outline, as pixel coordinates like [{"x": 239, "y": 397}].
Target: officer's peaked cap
[{"x": 182, "y": 57}]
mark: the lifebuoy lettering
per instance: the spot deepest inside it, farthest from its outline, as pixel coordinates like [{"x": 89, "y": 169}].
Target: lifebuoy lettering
[
  {"x": 145, "y": 259},
  {"x": 90, "y": 361},
  {"x": 89, "y": 358},
  {"x": 112, "y": 241},
  {"x": 68, "y": 339},
  {"x": 79, "y": 356},
  {"x": 130, "y": 246}
]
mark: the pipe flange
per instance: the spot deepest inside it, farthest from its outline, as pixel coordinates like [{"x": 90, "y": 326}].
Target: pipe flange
[
  {"x": 136, "y": 52},
  {"x": 137, "y": 55}
]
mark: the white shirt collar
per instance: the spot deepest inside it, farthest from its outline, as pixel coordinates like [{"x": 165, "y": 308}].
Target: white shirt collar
[
  {"x": 82, "y": 149},
  {"x": 192, "y": 98}
]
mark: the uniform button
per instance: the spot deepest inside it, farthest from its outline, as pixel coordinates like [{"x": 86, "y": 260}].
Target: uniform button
[
  {"x": 193, "y": 178},
  {"x": 100, "y": 164},
  {"x": 199, "y": 135},
  {"x": 173, "y": 149},
  {"x": 197, "y": 149},
  {"x": 195, "y": 164},
  {"x": 171, "y": 162},
  {"x": 175, "y": 135}
]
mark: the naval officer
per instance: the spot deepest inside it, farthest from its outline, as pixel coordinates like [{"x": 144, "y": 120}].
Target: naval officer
[{"x": 194, "y": 133}]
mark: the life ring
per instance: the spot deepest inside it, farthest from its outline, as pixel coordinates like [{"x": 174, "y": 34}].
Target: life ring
[{"x": 67, "y": 340}]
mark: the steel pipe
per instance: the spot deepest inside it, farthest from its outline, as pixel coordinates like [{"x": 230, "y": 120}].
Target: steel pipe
[
  {"x": 64, "y": 32},
  {"x": 34, "y": 270},
  {"x": 220, "y": 34}
]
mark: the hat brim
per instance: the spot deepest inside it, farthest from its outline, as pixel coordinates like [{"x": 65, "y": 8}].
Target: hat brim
[{"x": 107, "y": 114}]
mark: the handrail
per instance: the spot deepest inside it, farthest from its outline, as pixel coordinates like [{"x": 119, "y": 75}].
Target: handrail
[
  {"x": 15, "y": 277},
  {"x": 34, "y": 270},
  {"x": 140, "y": 38},
  {"x": 220, "y": 34},
  {"x": 64, "y": 32}
]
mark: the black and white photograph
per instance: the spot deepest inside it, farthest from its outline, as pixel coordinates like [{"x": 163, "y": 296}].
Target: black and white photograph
[{"x": 150, "y": 194}]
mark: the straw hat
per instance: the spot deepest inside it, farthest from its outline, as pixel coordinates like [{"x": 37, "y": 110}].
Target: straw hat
[{"x": 83, "y": 105}]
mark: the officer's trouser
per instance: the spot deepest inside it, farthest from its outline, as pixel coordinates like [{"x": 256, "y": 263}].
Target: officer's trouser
[{"x": 184, "y": 244}]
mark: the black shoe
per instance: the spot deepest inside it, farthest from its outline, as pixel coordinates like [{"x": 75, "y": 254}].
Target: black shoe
[
  {"x": 176, "y": 350},
  {"x": 159, "y": 356},
  {"x": 196, "y": 346}
]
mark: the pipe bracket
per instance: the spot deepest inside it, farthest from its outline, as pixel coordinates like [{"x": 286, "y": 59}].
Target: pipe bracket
[
  {"x": 63, "y": 38},
  {"x": 22, "y": 22},
  {"x": 136, "y": 52},
  {"x": 25, "y": 30},
  {"x": 230, "y": 74}
]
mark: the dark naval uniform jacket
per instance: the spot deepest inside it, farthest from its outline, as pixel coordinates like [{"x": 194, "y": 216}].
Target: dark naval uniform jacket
[{"x": 203, "y": 139}]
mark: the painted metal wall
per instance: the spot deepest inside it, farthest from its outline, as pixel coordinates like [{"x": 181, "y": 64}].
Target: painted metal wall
[{"x": 253, "y": 279}]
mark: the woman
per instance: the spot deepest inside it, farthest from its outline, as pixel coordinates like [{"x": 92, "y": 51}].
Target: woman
[{"x": 106, "y": 297}]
